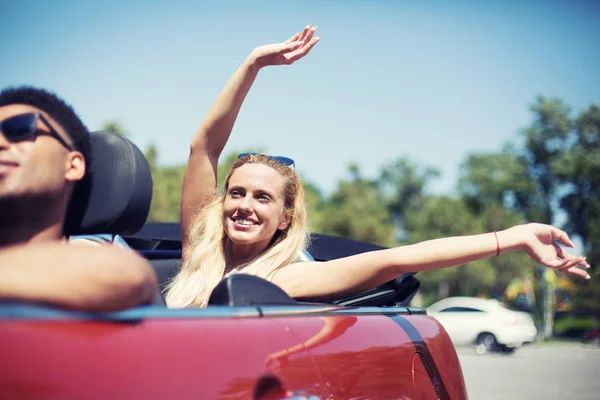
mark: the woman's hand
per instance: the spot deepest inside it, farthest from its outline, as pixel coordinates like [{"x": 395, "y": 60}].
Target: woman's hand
[
  {"x": 277, "y": 360},
  {"x": 540, "y": 242},
  {"x": 287, "y": 52}
]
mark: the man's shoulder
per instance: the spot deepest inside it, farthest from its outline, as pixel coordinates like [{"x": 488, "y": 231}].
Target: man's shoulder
[{"x": 98, "y": 240}]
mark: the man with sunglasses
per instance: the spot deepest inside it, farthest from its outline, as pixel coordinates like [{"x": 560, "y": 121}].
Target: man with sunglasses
[{"x": 44, "y": 147}]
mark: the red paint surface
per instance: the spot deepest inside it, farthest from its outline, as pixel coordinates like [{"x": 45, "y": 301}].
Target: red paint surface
[{"x": 332, "y": 357}]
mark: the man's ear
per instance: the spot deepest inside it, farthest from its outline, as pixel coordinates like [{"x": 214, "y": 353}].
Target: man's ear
[
  {"x": 284, "y": 221},
  {"x": 75, "y": 167}
]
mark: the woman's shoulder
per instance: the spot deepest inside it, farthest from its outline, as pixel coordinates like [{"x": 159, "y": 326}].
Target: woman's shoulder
[{"x": 303, "y": 256}]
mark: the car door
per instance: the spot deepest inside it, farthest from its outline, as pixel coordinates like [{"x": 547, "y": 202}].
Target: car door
[
  {"x": 211, "y": 353},
  {"x": 376, "y": 353}
]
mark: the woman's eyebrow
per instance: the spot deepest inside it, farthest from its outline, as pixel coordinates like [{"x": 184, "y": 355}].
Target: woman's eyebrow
[
  {"x": 257, "y": 192},
  {"x": 265, "y": 192}
]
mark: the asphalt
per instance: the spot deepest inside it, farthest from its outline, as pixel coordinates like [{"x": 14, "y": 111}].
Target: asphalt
[{"x": 537, "y": 371}]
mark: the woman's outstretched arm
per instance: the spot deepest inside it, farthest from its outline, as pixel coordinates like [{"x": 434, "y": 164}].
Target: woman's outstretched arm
[
  {"x": 199, "y": 184},
  {"x": 355, "y": 274}
]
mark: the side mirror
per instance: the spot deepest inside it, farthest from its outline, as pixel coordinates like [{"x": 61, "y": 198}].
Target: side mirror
[{"x": 241, "y": 290}]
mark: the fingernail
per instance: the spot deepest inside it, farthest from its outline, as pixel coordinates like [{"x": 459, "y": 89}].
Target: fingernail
[{"x": 316, "y": 27}]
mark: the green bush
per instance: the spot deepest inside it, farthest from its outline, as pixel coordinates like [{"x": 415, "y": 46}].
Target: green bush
[{"x": 573, "y": 326}]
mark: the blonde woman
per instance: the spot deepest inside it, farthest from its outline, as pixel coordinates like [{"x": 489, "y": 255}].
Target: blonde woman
[{"x": 258, "y": 224}]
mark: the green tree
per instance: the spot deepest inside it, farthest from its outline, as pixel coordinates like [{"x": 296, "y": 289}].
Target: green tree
[
  {"x": 402, "y": 185},
  {"x": 495, "y": 178},
  {"x": 579, "y": 171},
  {"x": 166, "y": 192},
  {"x": 355, "y": 210},
  {"x": 545, "y": 141},
  {"x": 316, "y": 207},
  {"x": 563, "y": 153},
  {"x": 554, "y": 174},
  {"x": 114, "y": 126}
]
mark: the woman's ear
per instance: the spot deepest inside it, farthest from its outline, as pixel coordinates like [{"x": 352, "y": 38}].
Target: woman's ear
[{"x": 284, "y": 221}]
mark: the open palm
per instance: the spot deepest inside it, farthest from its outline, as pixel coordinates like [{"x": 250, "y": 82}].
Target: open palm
[
  {"x": 541, "y": 245},
  {"x": 287, "y": 52}
]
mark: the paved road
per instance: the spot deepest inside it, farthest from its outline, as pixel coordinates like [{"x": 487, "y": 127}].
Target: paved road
[{"x": 540, "y": 371}]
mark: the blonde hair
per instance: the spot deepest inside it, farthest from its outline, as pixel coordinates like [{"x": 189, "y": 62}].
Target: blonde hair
[{"x": 206, "y": 265}]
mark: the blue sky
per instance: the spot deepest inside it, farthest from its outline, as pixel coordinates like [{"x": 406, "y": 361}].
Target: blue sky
[{"x": 431, "y": 80}]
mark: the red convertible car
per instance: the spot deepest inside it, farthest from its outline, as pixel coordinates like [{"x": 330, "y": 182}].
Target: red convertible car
[{"x": 252, "y": 342}]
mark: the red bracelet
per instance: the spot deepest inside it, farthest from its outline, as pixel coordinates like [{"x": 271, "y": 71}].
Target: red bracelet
[{"x": 497, "y": 244}]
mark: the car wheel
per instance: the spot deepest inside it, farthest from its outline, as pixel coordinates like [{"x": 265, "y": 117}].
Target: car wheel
[
  {"x": 486, "y": 342},
  {"x": 507, "y": 350}
]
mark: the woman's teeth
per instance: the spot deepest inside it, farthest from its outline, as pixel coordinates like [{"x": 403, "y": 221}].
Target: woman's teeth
[{"x": 244, "y": 222}]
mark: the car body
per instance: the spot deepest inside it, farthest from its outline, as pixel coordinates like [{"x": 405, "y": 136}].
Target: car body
[
  {"x": 235, "y": 348},
  {"x": 484, "y": 322}
]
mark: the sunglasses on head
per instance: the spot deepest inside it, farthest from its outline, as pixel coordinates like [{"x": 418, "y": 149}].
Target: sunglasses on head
[
  {"x": 288, "y": 162},
  {"x": 24, "y": 126}
]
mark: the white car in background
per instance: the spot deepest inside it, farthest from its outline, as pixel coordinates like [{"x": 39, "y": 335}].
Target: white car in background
[{"x": 488, "y": 324}]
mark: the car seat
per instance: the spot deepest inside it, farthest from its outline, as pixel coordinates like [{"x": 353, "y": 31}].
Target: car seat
[{"x": 114, "y": 197}]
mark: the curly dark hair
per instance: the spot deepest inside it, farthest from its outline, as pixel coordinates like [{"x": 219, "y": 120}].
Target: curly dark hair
[{"x": 57, "y": 108}]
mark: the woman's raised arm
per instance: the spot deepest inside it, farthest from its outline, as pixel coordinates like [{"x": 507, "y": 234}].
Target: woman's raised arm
[{"x": 199, "y": 184}]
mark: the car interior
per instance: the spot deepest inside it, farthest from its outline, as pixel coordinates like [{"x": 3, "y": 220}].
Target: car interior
[{"x": 112, "y": 204}]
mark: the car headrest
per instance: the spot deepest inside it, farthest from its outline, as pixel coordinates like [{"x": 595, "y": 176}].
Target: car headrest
[{"x": 116, "y": 193}]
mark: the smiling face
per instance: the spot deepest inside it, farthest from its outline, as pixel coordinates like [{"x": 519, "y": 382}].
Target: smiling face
[
  {"x": 40, "y": 164},
  {"x": 254, "y": 205}
]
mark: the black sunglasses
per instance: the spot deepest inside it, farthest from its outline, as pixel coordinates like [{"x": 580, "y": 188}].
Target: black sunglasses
[
  {"x": 24, "y": 126},
  {"x": 288, "y": 162}
]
